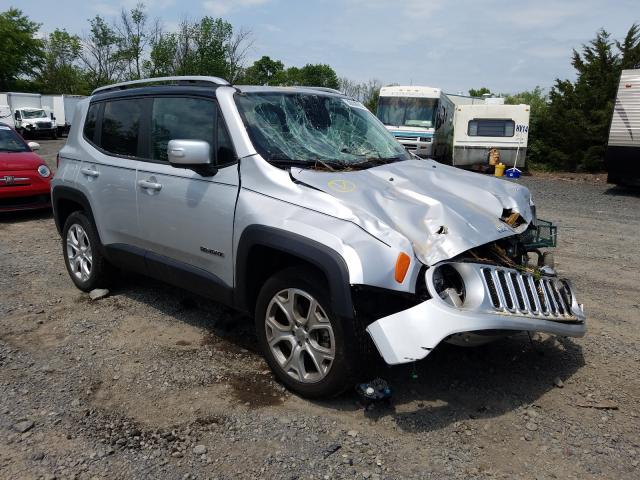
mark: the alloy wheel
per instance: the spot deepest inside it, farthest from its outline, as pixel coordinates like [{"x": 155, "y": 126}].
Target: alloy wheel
[
  {"x": 79, "y": 252},
  {"x": 300, "y": 335}
]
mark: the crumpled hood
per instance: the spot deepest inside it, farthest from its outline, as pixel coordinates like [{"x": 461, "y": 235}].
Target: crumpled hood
[{"x": 443, "y": 211}]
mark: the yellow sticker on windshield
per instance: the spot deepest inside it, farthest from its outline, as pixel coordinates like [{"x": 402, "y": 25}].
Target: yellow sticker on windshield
[{"x": 342, "y": 186}]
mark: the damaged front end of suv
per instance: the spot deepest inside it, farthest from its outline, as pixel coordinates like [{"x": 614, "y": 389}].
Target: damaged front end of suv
[
  {"x": 432, "y": 253},
  {"x": 479, "y": 296}
]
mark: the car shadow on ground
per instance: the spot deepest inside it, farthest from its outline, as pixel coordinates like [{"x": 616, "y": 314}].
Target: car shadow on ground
[
  {"x": 452, "y": 384},
  {"x": 21, "y": 216},
  {"x": 622, "y": 191}
]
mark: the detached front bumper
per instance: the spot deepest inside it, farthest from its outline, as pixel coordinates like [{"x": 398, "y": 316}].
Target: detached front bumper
[{"x": 496, "y": 299}]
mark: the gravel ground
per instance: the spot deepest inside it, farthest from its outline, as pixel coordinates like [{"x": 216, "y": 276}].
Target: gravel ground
[{"x": 152, "y": 382}]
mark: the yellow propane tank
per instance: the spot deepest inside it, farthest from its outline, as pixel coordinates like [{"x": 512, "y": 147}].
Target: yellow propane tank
[
  {"x": 500, "y": 170},
  {"x": 494, "y": 156}
]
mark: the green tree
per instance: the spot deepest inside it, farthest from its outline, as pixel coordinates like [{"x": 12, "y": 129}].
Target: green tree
[
  {"x": 264, "y": 72},
  {"x": 207, "y": 47},
  {"x": 312, "y": 75},
  {"x": 21, "y": 52},
  {"x": 537, "y": 100},
  {"x": 60, "y": 73},
  {"x": 135, "y": 34},
  {"x": 479, "y": 92},
  {"x": 575, "y": 131},
  {"x": 102, "y": 57}
]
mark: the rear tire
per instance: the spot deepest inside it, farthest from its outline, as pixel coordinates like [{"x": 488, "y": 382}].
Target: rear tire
[
  {"x": 82, "y": 251},
  {"x": 304, "y": 342}
]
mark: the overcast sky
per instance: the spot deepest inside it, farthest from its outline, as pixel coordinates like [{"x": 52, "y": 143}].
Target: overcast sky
[{"x": 507, "y": 46}]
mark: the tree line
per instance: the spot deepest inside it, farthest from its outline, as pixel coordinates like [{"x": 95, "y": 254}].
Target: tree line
[
  {"x": 569, "y": 124},
  {"x": 568, "y": 127}
]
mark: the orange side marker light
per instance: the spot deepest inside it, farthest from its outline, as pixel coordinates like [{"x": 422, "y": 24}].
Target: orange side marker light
[{"x": 402, "y": 266}]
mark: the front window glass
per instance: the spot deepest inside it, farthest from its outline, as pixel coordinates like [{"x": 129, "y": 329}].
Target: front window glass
[
  {"x": 312, "y": 129},
  {"x": 180, "y": 119},
  {"x": 10, "y": 141},
  {"x": 407, "y": 111},
  {"x": 33, "y": 113}
]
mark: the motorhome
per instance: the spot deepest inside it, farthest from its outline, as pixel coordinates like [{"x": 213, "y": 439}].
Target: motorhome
[
  {"x": 479, "y": 129},
  {"x": 415, "y": 113},
  {"x": 622, "y": 157},
  {"x": 25, "y": 112},
  {"x": 410, "y": 113}
]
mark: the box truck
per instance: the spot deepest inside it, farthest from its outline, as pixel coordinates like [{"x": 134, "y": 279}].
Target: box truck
[{"x": 27, "y": 114}]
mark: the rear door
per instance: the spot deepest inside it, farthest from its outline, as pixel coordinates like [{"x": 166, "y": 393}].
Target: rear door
[
  {"x": 186, "y": 219},
  {"x": 107, "y": 172}
]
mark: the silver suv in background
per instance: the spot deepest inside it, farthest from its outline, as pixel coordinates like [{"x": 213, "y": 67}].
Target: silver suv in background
[{"x": 297, "y": 206}]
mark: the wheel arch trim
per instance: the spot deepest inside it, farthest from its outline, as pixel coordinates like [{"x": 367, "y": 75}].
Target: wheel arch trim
[{"x": 320, "y": 256}]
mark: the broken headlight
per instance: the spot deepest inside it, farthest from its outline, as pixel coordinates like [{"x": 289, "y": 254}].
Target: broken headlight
[{"x": 448, "y": 285}]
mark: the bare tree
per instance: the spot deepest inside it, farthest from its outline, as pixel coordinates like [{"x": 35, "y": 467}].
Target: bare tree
[
  {"x": 237, "y": 50},
  {"x": 135, "y": 34}
]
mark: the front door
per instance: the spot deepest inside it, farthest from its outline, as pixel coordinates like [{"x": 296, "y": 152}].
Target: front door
[{"x": 186, "y": 219}]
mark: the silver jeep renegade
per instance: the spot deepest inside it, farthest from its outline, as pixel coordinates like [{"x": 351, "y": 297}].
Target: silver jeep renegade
[{"x": 297, "y": 206}]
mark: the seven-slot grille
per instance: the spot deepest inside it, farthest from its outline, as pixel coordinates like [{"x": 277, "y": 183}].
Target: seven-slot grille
[{"x": 515, "y": 292}]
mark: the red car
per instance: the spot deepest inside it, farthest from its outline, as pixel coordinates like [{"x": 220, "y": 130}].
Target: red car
[{"x": 25, "y": 179}]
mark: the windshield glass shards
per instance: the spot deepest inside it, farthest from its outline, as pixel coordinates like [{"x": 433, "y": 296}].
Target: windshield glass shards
[{"x": 321, "y": 131}]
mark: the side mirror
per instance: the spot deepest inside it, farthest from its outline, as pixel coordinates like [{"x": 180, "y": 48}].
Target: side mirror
[
  {"x": 33, "y": 146},
  {"x": 193, "y": 154},
  {"x": 187, "y": 153}
]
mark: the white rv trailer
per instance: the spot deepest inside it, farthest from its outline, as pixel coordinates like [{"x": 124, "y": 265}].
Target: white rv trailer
[
  {"x": 27, "y": 115},
  {"x": 622, "y": 157},
  {"x": 479, "y": 128}
]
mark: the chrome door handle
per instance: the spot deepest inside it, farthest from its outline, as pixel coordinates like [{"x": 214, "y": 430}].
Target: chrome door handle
[
  {"x": 89, "y": 172},
  {"x": 149, "y": 185}
]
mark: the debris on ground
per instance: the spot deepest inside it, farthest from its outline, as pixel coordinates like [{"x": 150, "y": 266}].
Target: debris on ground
[
  {"x": 98, "y": 293},
  {"x": 377, "y": 390}
]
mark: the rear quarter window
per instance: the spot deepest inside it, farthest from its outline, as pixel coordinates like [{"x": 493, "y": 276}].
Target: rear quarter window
[{"x": 90, "y": 122}]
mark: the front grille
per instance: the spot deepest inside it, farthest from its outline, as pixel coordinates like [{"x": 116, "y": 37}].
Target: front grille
[
  {"x": 515, "y": 292},
  {"x": 43, "y": 124}
]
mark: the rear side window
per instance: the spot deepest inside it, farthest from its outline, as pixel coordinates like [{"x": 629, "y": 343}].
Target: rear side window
[
  {"x": 489, "y": 127},
  {"x": 120, "y": 124},
  {"x": 180, "y": 119},
  {"x": 90, "y": 122}
]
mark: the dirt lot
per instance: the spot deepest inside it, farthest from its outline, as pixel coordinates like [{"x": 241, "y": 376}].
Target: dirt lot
[{"x": 152, "y": 382}]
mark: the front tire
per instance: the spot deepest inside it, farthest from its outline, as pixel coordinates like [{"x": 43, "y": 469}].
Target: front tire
[
  {"x": 82, "y": 251},
  {"x": 301, "y": 338}
]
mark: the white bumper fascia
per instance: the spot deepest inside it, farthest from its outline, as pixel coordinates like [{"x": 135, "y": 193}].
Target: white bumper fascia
[
  {"x": 410, "y": 335},
  {"x": 497, "y": 298}
]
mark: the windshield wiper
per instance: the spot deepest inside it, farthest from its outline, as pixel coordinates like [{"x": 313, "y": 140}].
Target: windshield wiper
[
  {"x": 317, "y": 163},
  {"x": 375, "y": 161}
]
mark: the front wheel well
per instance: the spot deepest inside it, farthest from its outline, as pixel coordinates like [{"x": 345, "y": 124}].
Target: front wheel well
[{"x": 263, "y": 262}]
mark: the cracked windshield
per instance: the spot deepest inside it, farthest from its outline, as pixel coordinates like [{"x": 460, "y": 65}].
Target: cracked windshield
[{"x": 316, "y": 130}]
